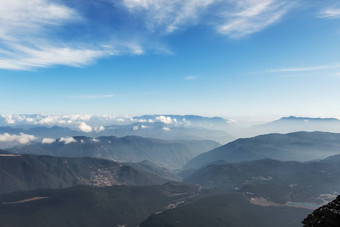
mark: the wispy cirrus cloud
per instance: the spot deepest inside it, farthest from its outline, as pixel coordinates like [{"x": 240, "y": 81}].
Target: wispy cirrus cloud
[
  {"x": 29, "y": 37},
  {"x": 249, "y": 16},
  {"x": 303, "y": 69},
  {"x": 36, "y": 33},
  {"x": 23, "y": 29},
  {"x": 168, "y": 15},
  {"x": 329, "y": 13},
  {"x": 25, "y": 58},
  {"x": 234, "y": 18}
]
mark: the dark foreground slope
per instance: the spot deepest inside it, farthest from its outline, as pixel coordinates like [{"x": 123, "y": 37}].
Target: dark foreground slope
[
  {"x": 167, "y": 153},
  {"x": 28, "y": 172},
  {"x": 325, "y": 216},
  {"x": 232, "y": 210},
  {"x": 298, "y": 146},
  {"x": 279, "y": 181},
  {"x": 90, "y": 206}
]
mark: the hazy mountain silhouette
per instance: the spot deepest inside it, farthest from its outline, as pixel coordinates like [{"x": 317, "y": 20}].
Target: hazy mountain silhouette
[
  {"x": 167, "y": 153},
  {"x": 298, "y": 146}
]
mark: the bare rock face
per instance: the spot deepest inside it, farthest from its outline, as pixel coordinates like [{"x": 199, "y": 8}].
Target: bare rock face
[{"x": 325, "y": 216}]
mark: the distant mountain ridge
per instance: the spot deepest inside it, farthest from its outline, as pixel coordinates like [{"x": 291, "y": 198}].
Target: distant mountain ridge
[
  {"x": 192, "y": 120},
  {"x": 156, "y": 130},
  {"x": 171, "y": 154},
  {"x": 293, "y": 124},
  {"x": 159, "y": 130},
  {"x": 29, "y": 172},
  {"x": 298, "y": 146},
  {"x": 41, "y": 131},
  {"x": 309, "y": 118}
]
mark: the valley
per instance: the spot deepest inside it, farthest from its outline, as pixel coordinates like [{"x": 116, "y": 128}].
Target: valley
[{"x": 151, "y": 182}]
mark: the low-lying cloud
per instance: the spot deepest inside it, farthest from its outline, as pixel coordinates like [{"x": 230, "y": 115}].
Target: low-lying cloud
[
  {"x": 85, "y": 127},
  {"x": 67, "y": 140},
  {"x": 47, "y": 140},
  {"x": 19, "y": 139}
]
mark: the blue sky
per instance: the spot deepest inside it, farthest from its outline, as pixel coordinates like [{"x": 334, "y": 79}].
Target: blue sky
[{"x": 208, "y": 57}]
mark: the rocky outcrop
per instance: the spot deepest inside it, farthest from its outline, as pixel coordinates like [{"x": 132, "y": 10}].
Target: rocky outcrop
[{"x": 325, "y": 216}]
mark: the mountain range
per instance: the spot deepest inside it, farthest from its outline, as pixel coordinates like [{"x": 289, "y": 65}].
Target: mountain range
[
  {"x": 172, "y": 154},
  {"x": 278, "y": 181},
  {"x": 297, "y": 146},
  {"x": 156, "y": 130},
  {"x": 293, "y": 124},
  {"x": 29, "y": 172}
]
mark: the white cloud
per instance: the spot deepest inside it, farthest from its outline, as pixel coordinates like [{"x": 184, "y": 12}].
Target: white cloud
[
  {"x": 26, "y": 58},
  {"x": 8, "y": 118},
  {"x": 235, "y": 18},
  {"x": 302, "y": 69},
  {"x": 85, "y": 127},
  {"x": 245, "y": 17},
  {"x": 99, "y": 128},
  {"x": 79, "y": 117},
  {"x": 135, "y": 128},
  {"x": 95, "y": 140},
  {"x": 67, "y": 140},
  {"x": 23, "y": 27},
  {"x": 28, "y": 37},
  {"x": 164, "y": 119},
  {"x": 29, "y": 29},
  {"x": 168, "y": 15},
  {"x": 72, "y": 121},
  {"x": 20, "y": 139},
  {"x": 30, "y": 120},
  {"x": 166, "y": 129},
  {"x": 47, "y": 140},
  {"x": 18, "y": 16},
  {"x": 330, "y": 13},
  {"x": 190, "y": 78},
  {"x": 144, "y": 126},
  {"x": 49, "y": 120}
]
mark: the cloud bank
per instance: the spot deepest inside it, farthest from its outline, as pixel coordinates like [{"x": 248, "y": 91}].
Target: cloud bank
[{"x": 20, "y": 139}]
